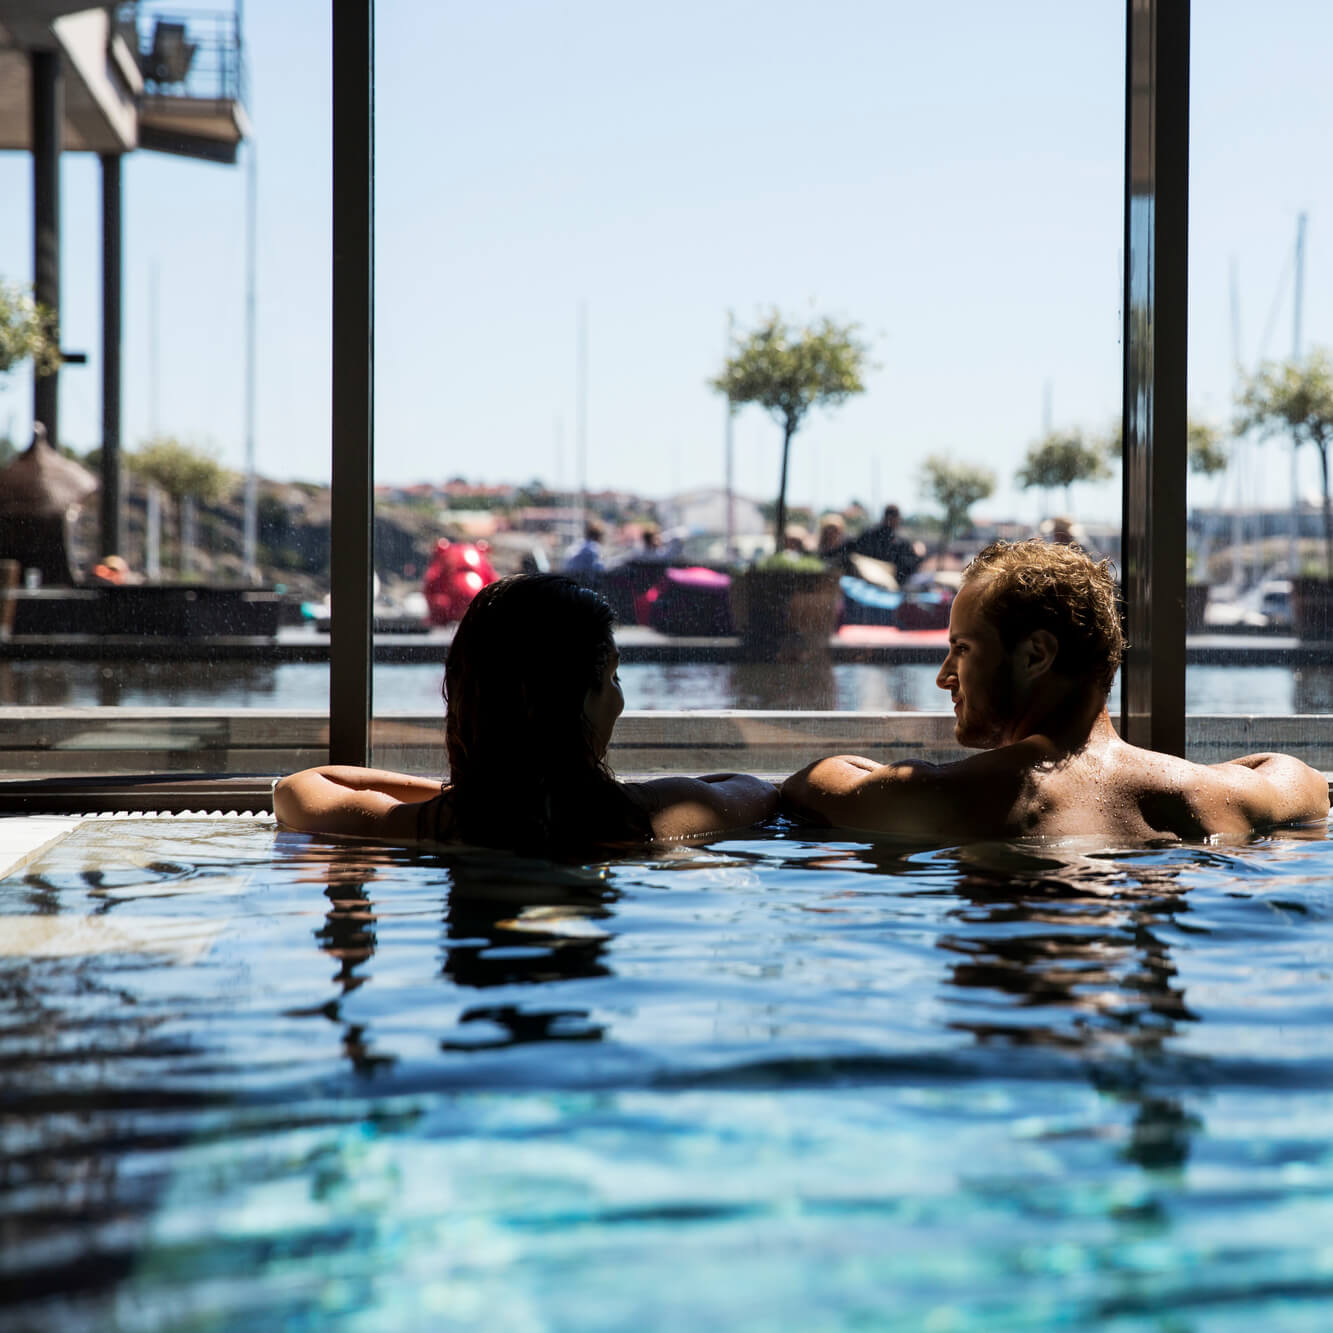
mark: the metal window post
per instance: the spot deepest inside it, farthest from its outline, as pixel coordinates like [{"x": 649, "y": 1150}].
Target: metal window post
[
  {"x": 48, "y": 114},
  {"x": 111, "y": 535},
  {"x": 1156, "y": 259},
  {"x": 353, "y": 516}
]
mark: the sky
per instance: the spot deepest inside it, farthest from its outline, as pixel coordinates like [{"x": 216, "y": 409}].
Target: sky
[{"x": 947, "y": 177}]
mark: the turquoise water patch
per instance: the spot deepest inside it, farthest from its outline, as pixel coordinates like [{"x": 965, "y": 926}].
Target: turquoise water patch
[{"x": 782, "y": 1082}]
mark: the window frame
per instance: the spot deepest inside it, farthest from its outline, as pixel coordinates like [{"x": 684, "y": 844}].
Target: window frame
[{"x": 1154, "y": 340}]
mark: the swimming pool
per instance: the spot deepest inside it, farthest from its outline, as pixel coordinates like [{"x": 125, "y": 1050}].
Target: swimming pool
[{"x": 788, "y": 1081}]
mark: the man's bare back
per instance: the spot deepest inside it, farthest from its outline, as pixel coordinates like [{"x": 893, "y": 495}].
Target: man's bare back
[
  {"x": 1052, "y": 764},
  {"x": 1033, "y": 788}
]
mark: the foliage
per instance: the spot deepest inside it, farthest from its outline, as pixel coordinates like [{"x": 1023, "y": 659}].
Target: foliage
[
  {"x": 1061, "y": 459},
  {"x": 791, "y": 562},
  {"x": 184, "y": 472},
  {"x": 788, "y": 370},
  {"x": 27, "y": 331},
  {"x": 1295, "y": 398},
  {"x": 1206, "y": 455},
  {"x": 181, "y": 470},
  {"x": 955, "y": 487},
  {"x": 1206, "y": 452}
]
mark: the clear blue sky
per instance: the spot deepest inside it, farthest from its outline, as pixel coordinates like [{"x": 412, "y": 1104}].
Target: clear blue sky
[{"x": 948, "y": 176}]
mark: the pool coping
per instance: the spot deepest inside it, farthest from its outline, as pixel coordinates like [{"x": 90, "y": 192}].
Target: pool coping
[{"x": 23, "y": 838}]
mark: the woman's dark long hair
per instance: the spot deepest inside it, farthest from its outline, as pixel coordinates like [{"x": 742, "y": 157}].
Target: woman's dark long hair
[{"x": 523, "y": 760}]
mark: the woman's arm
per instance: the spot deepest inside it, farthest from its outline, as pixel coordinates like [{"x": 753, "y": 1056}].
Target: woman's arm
[
  {"x": 688, "y": 807},
  {"x": 352, "y": 802}
]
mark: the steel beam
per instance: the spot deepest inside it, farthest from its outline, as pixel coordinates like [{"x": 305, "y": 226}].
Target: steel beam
[
  {"x": 351, "y": 568},
  {"x": 112, "y": 325},
  {"x": 1155, "y": 327},
  {"x": 48, "y": 113}
]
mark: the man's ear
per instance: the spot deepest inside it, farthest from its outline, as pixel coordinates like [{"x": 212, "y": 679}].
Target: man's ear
[{"x": 1037, "y": 653}]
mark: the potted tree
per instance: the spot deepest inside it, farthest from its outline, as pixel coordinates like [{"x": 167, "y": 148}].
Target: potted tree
[
  {"x": 1207, "y": 458},
  {"x": 27, "y": 332},
  {"x": 787, "y": 606},
  {"x": 955, "y": 487},
  {"x": 1295, "y": 398},
  {"x": 1062, "y": 458}
]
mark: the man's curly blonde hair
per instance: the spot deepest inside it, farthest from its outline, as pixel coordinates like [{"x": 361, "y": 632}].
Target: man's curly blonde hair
[{"x": 1032, "y": 585}]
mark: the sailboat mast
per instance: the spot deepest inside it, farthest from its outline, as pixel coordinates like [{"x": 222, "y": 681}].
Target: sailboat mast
[
  {"x": 1296, "y": 301},
  {"x": 581, "y": 415},
  {"x": 1239, "y": 576},
  {"x": 730, "y": 548}
]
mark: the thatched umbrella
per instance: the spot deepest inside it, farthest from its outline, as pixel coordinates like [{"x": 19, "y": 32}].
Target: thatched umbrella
[{"x": 38, "y": 491}]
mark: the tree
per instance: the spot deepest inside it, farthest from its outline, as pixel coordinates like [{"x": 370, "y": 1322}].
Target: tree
[
  {"x": 1206, "y": 455},
  {"x": 1061, "y": 459},
  {"x": 1204, "y": 448},
  {"x": 1295, "y": 398},
  {"x": 184, "y": 472},
  {"x": 955, "y": 487},
  {"x": 788, "y": 371},
  {"x": 27, "y": 331}
]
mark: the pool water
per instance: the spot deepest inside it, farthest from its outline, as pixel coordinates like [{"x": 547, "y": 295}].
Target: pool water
[{"x": 252, "y": 1080}]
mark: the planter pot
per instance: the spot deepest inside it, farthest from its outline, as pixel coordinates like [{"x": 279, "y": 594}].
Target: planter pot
[
  {"x": 1312, "y": 608},
  {"x": 785, "y": 615},
  {"x": 1196, "y": 602}
]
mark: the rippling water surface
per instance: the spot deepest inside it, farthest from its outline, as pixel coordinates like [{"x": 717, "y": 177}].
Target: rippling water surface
[{"x": 251, "y": 1080}]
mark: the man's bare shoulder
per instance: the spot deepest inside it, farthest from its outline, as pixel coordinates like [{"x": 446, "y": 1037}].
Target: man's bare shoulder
[{"x": 1191, "y": 800}]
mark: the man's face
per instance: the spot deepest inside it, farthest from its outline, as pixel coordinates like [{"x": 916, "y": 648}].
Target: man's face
[{"x": 979, "y": 675}]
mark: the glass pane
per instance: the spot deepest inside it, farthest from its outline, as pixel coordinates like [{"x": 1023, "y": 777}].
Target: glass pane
[
  {"x": 1260, "y": 309},
  {"x": 223, "y": 351},
  {"x": 580, "y": 213}
]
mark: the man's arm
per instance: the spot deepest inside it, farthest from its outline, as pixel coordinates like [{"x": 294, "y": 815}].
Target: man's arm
[
  {"x": 352, "y": 802},
  {"x": 849, "y": 791},
  {"x": 1274, "y": 789},
  {"x": 689, "y": 807}
]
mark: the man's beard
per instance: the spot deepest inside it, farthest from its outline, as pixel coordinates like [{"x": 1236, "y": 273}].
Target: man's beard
[{"x": 992, "y": 730}]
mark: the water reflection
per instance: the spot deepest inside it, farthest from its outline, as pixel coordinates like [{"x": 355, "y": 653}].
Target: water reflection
[
  {"x": 1067, "y": 952},
  {"x": 1312, "y": 689},
  {"x": 767, "y": 685},
  {"x": 504, "y": 926},
  {"x": 415, "y": 688},
  {"x": 139, "y": 684}
]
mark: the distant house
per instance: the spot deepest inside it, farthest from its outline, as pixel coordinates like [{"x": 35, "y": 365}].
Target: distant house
[{"x": 704, "y": 513}]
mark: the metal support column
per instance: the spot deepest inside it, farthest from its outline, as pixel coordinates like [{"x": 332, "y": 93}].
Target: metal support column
[
  {"x": 48, "y": 113},
  {"x": 351, "y": 566},
  {"x": 1156, "y": 287},
  {"x": 112, "y": 270}
]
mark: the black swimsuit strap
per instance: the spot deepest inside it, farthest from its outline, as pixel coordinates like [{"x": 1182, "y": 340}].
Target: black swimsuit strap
[{"x": 436, "y": 818}]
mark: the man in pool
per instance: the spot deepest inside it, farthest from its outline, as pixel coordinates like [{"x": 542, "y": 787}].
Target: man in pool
[{"x": 1034, "y": 643}]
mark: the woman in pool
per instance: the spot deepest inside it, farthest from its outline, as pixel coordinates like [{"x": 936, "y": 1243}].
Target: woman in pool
[{"x": 532, "y": 697}]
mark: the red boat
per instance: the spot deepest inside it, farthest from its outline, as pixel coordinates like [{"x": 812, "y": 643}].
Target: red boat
[{"x": 458, "y": 571}]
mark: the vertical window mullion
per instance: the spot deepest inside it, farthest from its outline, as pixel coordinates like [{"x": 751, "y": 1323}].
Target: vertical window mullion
[
  {"x": 1155, "y": 342},
  {"x": 351, "y": 568}
]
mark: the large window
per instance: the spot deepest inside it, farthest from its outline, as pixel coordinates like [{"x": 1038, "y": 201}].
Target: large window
[
  {"x": 578, "y": 215},
  {"x": 575, "y": 210},
  {"x": 1260, "y": 311},
  {"x": 224, "y": 335}
]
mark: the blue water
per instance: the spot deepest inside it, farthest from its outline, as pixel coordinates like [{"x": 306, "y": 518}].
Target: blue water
[{"x": 784, "y": 1082}]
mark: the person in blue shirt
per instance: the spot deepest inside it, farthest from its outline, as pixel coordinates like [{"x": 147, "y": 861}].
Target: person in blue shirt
[{"x": 588, "y": 558}]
